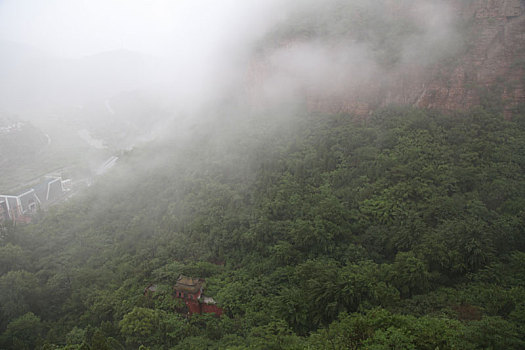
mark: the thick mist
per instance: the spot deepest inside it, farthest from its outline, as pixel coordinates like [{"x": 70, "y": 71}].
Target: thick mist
[
  {"x": 73, "y": 52},
  {"x": 342, "y": 48},
  {"x": 106, "y": 75}
]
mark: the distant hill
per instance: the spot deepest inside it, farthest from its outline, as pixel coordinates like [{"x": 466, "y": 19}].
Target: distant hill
[
  {"x": 33, "y": 80},
  {"x": 21, "y": 144},
  {"x": 19, "y": 140},
  {"x": 105, "y": 94}
]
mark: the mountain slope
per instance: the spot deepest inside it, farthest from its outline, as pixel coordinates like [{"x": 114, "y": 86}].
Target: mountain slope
[
  {"x": 397, "y": 226},
  {"x": 449, "y": 57}
]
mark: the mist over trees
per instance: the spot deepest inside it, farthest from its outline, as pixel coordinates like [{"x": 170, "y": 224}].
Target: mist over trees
[
  {"x": 387, "y": 227},
  {"x": 338, "y": 225}
]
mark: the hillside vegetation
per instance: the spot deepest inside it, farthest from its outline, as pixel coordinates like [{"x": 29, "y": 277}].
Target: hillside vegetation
[{"x": 404, "y": 231}]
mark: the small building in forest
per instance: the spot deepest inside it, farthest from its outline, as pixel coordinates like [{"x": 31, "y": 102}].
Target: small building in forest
[
  {"x": 191, "y": 290},
  {"x": 20, "y": 207}
]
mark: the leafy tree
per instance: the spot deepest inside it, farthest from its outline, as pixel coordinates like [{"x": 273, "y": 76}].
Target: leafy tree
[
  {"x": 23, "y": 332},
  {"x": 409, "y": 274},
  {"x": 140, "y": 326}
]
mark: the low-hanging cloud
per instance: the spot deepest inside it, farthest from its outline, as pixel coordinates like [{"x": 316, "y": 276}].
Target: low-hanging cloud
[
  {"x": 347, "y": 45},
  {"x": 195, "y": 53}
]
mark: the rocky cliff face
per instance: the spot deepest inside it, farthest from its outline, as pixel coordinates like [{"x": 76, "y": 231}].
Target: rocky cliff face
[
  {"x": 493, "y": 66},
  {"x": 488, "y": 67}
]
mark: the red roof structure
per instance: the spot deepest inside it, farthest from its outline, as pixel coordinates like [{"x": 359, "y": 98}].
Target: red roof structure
[{"x": 190, "y": 290}]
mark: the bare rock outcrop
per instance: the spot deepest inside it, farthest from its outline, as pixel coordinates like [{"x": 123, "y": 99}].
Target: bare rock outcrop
[
  {"x": 490, "y": 66},
  {"x": 493, "y": 66}
]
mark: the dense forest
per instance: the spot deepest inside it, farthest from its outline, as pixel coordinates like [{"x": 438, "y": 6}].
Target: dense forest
[{"x": 404, "y": 230}]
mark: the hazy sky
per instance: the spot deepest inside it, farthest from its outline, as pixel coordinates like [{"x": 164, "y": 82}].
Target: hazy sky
[
  {"x": 204, "y": 53},
  {"x": 204, "y": 49},
  {"x": 74, "y": 28}
]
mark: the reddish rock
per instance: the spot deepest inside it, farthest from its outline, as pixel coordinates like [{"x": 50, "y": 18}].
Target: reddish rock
[{"x": 492, "y": 65}]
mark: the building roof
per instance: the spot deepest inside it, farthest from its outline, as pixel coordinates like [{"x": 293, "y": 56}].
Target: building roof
[
  {"x": 55, "y": 190},
  {"x": 151, "y": 288},
  {"x": 208, "y": 300},
  {"x": 49, "y": 190},
  {"x": 189, "y": 284},
  {"x": 12, "y": 203},
  {"x": 41, "y": 190},
  {"x": 27, "y": 198},
  {"x": 46, "y": 191}
]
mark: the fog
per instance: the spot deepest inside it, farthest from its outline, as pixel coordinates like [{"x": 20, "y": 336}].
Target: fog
[{"x": 131, "y": 71}]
